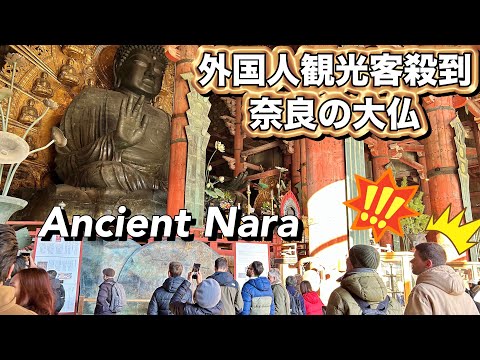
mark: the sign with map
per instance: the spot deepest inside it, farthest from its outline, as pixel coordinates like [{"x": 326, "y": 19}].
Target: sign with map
[{"x": 65, "y": 258}]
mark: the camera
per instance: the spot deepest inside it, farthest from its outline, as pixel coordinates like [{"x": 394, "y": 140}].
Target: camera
[{"x": 196, "y": 268}]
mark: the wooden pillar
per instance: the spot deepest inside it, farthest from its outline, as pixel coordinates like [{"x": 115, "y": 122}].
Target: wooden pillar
[
  {"x": 327, "y": 215},
  {"x": 424, "y": 186},
  {"x": 287, "y": 163},
  {"x": 441, "y": 163},
  {"x": 178, "y": 142},
  {"x": 296, "y": 166},
  {"x": 238, "y": 139},
  {"x": 379, "y": 150},
  {"x": 325, "y": 163},
  {"x": 476, "y": 135},
  {"x": 303, "y": 177},
  {"x": 380, "y": 157}
]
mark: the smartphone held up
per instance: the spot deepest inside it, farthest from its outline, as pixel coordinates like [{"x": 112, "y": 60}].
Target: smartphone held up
[{"x": 195, "y": 270}]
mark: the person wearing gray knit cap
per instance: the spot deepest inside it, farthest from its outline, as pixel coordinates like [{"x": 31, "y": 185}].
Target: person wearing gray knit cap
[
  {"x": 361, "y": 282},
  {"x": 364, "y": 256},
  {"x": 207, "y": 297}
]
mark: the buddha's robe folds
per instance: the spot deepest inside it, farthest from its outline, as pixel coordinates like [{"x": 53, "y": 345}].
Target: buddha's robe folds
[{"x": 90, "y": 158}]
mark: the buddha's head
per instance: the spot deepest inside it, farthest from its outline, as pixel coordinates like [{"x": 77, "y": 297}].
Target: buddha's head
[
  {"x": 140, "y": 69},
  {"x": 44, "y": 75}
]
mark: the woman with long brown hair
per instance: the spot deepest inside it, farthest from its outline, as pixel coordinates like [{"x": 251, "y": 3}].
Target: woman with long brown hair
[
  {"x": 33, "y": 291},
  {"x": 313, "y": 303}
]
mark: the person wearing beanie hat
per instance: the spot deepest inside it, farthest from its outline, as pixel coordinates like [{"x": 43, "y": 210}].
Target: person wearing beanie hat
[
  {"x": 104, "y": 296},
  {"x": 207, "y": 297},
  {"x": 208, "y": 293},
  {"x": 364, "y": 256},
  {"x": 361, "y": 282}
]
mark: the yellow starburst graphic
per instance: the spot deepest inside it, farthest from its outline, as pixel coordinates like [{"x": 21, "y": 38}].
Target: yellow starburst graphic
[{"x": 458, "y": 234}]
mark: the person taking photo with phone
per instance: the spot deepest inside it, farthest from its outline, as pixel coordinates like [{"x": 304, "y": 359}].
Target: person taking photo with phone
[{"x": 207, "y": 297}]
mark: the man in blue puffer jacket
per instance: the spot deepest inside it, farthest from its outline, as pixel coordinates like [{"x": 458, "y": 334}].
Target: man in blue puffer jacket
[
  {"x": 257, "y": 292},
  {"x": 161, "y": 297}
]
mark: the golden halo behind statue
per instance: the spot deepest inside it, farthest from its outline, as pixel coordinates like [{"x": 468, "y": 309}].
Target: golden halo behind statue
[{"x": 103, "y": 63}]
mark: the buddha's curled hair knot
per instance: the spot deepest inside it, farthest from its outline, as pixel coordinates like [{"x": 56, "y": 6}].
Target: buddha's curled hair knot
[{"x": 123, "y": 52}]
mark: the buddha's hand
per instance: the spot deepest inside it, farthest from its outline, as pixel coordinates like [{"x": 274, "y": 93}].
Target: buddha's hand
[{"x": 131, "y": 124}]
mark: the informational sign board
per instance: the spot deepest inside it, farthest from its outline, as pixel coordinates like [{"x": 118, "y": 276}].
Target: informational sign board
[
  {"x": 245, "y": 254},
  {"x": 65, "y": 258}
]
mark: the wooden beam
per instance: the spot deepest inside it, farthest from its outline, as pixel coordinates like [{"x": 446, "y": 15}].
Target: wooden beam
[
  {"x": 417, "y": 166},
  {"x": 413, "y": 148},
  {"x": 217, "y": 162},
  {"x": 263, "y": 175},
  {"x": 261, "y": 148},
  {"x": 231, "y": 162}
]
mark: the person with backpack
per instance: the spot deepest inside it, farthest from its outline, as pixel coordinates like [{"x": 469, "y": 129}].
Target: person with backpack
[
  {"x": 362, "y": 290},
  {"x": 297, "y": 304},
  {"x": 58, "y": 290},
  {"x": 111, "y": 296},
  {"x": 257, "y": 292},
  {"x": 281, "y": 297}
]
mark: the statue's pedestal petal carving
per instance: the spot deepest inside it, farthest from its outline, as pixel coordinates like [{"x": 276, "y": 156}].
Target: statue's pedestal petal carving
[{"x": 8, "y": 206}]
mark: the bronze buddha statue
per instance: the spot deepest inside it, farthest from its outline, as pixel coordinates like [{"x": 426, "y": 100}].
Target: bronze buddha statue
[
  {"x": 116, "y": 139},
  {"x": 68, "y": 75},
  {"x": 41, "y": 87},
  {"x": 28, "y": 113}
]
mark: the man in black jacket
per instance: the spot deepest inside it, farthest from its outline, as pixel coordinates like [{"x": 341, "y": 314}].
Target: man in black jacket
[
  {"x": 231, "y": 292},
  {"x": 104, "y": 297},
  {"x": 58, "y": 290},
  {"x": 161, "y": 297}
]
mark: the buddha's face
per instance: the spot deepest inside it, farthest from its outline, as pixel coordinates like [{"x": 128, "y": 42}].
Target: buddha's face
[{"x": 142, "y": 73}]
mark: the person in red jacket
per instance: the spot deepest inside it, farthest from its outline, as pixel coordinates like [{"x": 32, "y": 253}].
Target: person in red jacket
[{"x": 313, "y": 303}]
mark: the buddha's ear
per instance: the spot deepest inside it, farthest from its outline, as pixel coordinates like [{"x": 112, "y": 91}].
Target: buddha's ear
[{"x": 117, "y": 81}]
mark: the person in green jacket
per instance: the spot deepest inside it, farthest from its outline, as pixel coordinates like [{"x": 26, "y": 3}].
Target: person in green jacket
[
  {"x": 280, "y": 294},
  {"x": 361, "y": 280}
]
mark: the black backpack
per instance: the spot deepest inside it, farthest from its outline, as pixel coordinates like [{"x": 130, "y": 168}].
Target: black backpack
[
  {"x": 367, "y": 310},
  {"x": 295, "y": 304}
]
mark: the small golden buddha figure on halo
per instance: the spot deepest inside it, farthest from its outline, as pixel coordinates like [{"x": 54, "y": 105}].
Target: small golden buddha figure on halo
[
  {"x": 28, "y": 113},
  {"x": 41, "y": 86},
  {"x": 68, "y": 75},
  {"x": 73, "y": 51}
]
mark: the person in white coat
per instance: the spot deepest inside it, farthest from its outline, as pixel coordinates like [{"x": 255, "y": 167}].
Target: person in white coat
[{"x": 439, "y": 289}]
